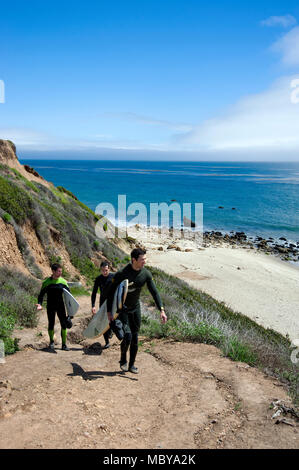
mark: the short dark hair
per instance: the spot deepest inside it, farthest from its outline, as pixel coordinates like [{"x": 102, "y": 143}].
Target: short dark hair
[
  {"x": 104, "y": 264},
  {"x": 137, "y": 252},
  {"x": 55, "y": 266}
]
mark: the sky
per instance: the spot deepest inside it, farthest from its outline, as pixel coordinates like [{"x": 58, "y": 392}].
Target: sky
[{"x": 179, "y": 79}]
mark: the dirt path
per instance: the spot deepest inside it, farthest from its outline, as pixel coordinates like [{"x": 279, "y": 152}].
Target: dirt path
[{"x": 186, "y": 396}]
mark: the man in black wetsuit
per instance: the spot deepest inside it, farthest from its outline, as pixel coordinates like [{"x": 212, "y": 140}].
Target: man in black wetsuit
[
  {"x": 102, "y": 282},
  {"x": 130, "y": 316},
  {"x": 53, "y": 286}
]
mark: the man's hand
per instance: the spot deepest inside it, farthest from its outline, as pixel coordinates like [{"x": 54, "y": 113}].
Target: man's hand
[
  {"x": 110, "y": 317},
  {"x": 39, "y": 307},
  {"x": 163, "y": 316},
  {"x": 93, "y": 310}
]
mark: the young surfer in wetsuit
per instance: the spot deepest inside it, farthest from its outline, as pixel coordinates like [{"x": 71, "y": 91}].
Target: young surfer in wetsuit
[
  {"x": 52, "y": 286},
  {"x": 130, "y": 316},
  {"x": 102, "y": 282}
]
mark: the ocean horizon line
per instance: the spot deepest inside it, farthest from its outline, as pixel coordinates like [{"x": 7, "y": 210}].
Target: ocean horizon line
[{"x": 39, "y": 158}]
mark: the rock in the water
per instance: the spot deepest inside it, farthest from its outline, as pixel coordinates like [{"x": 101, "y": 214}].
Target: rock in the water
[{"x": 188, "y": 223}]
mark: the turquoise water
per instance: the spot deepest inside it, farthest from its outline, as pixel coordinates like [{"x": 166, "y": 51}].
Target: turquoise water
[{"x": 265, "y": 195}]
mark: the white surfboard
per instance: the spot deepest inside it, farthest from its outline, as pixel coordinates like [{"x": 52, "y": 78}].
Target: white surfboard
[
  {"x": 99, "y": 324},
  {"x": 122, "y": 294},
  {"x": 70, "y": 303}
]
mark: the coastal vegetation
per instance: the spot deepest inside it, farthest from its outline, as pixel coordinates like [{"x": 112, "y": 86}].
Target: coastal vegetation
[
  {"x": 197, "y": 317},
  {"x": 18, "y": 294}
]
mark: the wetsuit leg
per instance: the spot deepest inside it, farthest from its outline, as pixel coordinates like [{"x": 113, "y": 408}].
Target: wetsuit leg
[
  {"x": 133, "y": 349},
  {"x": 135, "y": 322},
  {"x": 124, "y": 345},
  {"x": 51, "y": 322},
  {"x": 51, "y": 318},
  {"x": 62, "y": 318},
  {"x": 107, "y": 336},
  {"x": 108, "y": 333}
]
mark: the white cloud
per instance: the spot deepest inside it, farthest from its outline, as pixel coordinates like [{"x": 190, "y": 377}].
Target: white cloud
[
  {"x": 24, "y": 136},
  {"x": 285, "y": 21},
  {"x": 288, "y": 46},
  {"x": 268, "y": 121}
]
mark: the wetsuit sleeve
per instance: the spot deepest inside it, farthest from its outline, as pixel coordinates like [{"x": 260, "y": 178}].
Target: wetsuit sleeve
[
  {"x": 94, "y": 292},
  {"x": 117, "y": 279},
  {"x": 153, "y": 290},
  {"x": 65, "y": 284},
  {"x": 42, "y": 293}
]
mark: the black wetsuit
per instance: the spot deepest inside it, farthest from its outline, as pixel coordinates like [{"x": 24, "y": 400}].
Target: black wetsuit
[
  {"x": 102, "y": 283},
  {"x": 55, "y": 304},
  {"x": 130, "y": 316}
]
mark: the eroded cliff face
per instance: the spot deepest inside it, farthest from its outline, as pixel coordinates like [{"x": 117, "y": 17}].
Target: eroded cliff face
[
  {"x": 9, "y": 251},
  {"x": 8, "y": 153},
  {"x": 8, "y": 156}
]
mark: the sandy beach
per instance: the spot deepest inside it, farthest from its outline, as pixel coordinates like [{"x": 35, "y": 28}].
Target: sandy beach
[{"x": 260, "y": 286}]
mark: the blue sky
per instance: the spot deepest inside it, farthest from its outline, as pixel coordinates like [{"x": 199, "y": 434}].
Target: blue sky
[{"x": 154, "y": 78}]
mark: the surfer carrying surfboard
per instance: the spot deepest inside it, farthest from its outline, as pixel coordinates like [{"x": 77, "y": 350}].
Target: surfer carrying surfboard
[
  {"x": 102, "y": 282},
  {"x": 130, "y": 316},
  {"x": 53, "y": 286}
]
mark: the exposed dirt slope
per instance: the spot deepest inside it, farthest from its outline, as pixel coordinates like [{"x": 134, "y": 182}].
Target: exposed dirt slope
[
  {"x": 185, "y": 396},
  {"x": 9, "y": 250}
]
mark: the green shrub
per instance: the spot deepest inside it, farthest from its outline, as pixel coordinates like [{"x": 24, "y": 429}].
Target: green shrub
[
  {"x": 181, "y": 331},
  {"x": 66, "y": 191},
  {"x": 7, "y": 324},
  {"x": 59, "y": 194},
  {"x": 28, "y": 183},
  {"x": 238, "y": 351},
  {"x": 90, "y": 211},
  {"x": 15, "y": 200},
  {"x": 18, "y": 294},
  {"x": 6, "y": 217},
  {"x": 77, "y": 291},
  {"x": 86, "y": 267}
]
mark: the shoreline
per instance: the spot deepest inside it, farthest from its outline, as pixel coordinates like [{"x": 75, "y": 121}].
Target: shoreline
[
  {"x": 281, "y": 247},
  {"x": 262, "y": 286}
]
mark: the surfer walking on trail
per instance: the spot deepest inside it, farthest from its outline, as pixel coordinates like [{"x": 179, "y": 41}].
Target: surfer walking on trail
[
  {"x": 53, "y": 286},
  {"x": 130, "y": 316},
  {"x": 102, "y": 282}
]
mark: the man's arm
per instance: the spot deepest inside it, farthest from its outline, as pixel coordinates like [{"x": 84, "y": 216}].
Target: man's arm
[
  {"x": 94, "y": 292},
  {"x": 41, "y": 295},
  {"x": 153, "y": 290},
  {"x": 156, "y": 296}
]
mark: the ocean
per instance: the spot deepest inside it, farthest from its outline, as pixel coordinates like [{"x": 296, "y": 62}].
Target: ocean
[{"x": 260, "y": 199}]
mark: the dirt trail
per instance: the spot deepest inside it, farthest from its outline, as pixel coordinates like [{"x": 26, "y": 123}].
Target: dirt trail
[{"x": 185, "y": 396}]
